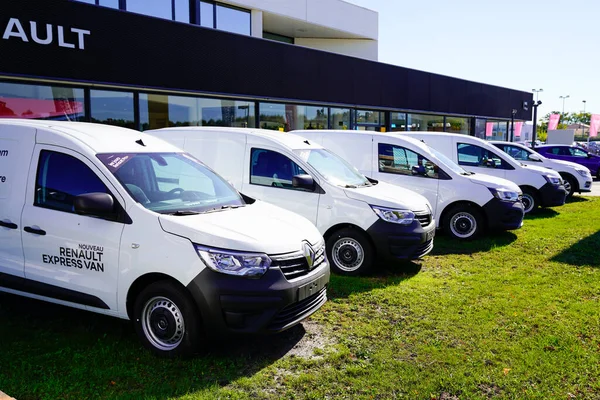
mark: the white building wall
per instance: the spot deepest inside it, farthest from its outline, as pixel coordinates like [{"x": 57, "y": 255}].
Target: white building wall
[
  {"x": 256, "y": 23},
  {"x": 367, "y": 49}
]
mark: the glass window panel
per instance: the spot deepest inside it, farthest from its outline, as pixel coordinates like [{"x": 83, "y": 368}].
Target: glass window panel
[
  {"x": 498, "y": 130},
  {"x": 315, "y": 118},
  {"x": 458, "y": 125},
  {"x": 61, "y": 178},
  {"x": 278, "y": 38},
  {"x": 480, "y": 128},
  {"x": 207, "y": 14},
  {"x": 112, "y": 108},
  {"x": 339, "y": 118},
  {"x": 368, "y": 117},
  {"x": 476, "y": 156},
  {"x": 515, "y": 152},
  {"x": 41, "y": 102},
  {"x": 578, "y": 152},
  {"x": 160, "y": 111},
  {"x": 110, "y": 3},
  {"x": 182, "y": 11},
  {"x": 402, "y": 161},
  {"x": 269, "y": 168},
  {"x": 397, "y": 122},
  {"x": 421, "y": 122},
  {"x": 87, "y": 1},
  {"x": 233, "y": 20},
  {"x": 154, "y": 8}
]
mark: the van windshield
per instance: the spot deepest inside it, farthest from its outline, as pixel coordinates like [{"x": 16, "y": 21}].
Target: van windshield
[
  {"x": 333, "y": 168},
  {"x": 449, "y": 163},
  {"x": 171, "y": 183}
]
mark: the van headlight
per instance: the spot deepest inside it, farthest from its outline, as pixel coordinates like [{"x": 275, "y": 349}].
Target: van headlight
[
  {"x": 402, "y": 217},
  {"x": 250, "y": 265},
  {"x": 584, "y": 172},
  {"x": 504, "y": 194},
  {"x": 553, "y": 180}
]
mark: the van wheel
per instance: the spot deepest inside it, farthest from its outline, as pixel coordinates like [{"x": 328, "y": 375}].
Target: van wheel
[
  {"x": 463, "y": 222},
  {"x": 350, "y": 252},
  {"x": 167, "y": 320},
  {"x": 530, "y": 200},
  {"x": 570, "y": 185}
]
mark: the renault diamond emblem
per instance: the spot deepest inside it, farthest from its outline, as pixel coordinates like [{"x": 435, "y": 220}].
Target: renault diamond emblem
[{"x": 309, "y": 254}]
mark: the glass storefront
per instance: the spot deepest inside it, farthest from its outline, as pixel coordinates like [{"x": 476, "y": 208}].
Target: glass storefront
[
  {"x": 233, "y": 20},
  {"x": 339, "y": 118},
  {"x": 496, "y": 130},
  {"x": 154, "y": 8},
  {"x": 369, "y": 120},
  {"x": 423, "y": 122},
  {"x": 458, "y": 125},
  {"x": 112, "y": 108},
  {"x": 397, "y": 122},
  {"x": 160, "y": 111},
  {"x": 19, "y": 100}
]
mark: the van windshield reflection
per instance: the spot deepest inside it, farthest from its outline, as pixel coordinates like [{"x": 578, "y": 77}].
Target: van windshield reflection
[
  {"x": 333, "y": 168},
  {"x": 171, "y": 183}
]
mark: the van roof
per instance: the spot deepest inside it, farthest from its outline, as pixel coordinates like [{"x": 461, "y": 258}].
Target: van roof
[
  {"x": 284, "y": 138},
  {"x": 99, "y": 138}
]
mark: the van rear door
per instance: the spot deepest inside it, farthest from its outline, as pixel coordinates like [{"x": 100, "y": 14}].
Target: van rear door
[{"x": 16, "y": 147}]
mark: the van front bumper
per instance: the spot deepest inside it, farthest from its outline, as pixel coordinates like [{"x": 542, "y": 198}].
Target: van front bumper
[
  {"x": 395, "y": 242},
  {"x": 503, "y": 215},
  {"x": 551, "y": 196},
  {"x": 270, "y": 304}
]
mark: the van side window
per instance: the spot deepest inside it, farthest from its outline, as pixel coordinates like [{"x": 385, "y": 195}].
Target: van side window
[
  {"x": 577, "y": 152},
  {"x": 402, "y": 161},
  {"x": 475, "y": 156},
  {"x": 60, "y": 178},
  {"x": 516, "y": 152},
  {"x": 269, "y": 168}
]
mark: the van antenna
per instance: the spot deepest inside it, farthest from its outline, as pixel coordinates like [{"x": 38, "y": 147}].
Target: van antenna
[
  {"x": 306, "y": 141},
  {"x": 140, "y": 142}
]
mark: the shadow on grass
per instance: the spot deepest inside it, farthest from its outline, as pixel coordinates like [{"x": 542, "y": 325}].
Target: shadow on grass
[
  {"x": 385, "y": 275},
  {"x": 577, "y": 199},
  {"x": 446, "y": 245},
  {"x": 52, "y": 351},
  {"x": 584, "y": 252},
  {"x": 541, "y": 213}
]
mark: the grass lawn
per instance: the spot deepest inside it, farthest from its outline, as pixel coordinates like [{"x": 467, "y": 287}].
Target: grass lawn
[{"x": 514, "y": 315}]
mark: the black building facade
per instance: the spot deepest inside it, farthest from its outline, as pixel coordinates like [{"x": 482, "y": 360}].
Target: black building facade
[{"x": 66, "y": 59}]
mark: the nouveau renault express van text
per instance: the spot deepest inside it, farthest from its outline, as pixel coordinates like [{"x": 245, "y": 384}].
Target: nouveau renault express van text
[
  {"x": 113, "y": 221},
  {"x": 464, "y": 204},
  {"x": 361, "y": 219}
]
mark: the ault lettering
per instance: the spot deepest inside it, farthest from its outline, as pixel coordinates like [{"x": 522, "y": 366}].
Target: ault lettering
[{"x": 14, "y": 29}]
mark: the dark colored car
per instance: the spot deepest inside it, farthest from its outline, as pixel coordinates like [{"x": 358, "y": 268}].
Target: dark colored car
[{"x": 572, "y": 153}]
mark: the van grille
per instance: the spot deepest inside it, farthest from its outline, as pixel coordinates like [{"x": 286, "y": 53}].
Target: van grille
[
  {"x": 295, "y": 265},
  {"x": 298, "y": 311},
  {"x": 424, "y": 218}
]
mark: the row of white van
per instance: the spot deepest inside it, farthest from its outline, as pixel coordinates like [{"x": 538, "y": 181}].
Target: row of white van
[{"x": 122, "y": 223}]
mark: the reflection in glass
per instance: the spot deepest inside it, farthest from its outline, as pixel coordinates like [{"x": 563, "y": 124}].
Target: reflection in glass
[
  {"x": 161, "y": 111},
  {"x": 207, "y": 14},
  {"x": 421, "y": 122},
  {"x": 19, "y": 100},
  {"x": 397, "y": 122},
  {"x": 154, "y": 8},
  {"x": 340, "y": 118},
  {"x": 233, "y": 20},
  {"x": 112, "y": 108},
  {"x": 458, "y": 125},
  {"x": 480, "y": 128},
  {"x": 288, "y": 117}
]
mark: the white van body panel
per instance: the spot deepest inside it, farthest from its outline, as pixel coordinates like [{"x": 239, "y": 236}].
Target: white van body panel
[{"x": 362, "y": 148}]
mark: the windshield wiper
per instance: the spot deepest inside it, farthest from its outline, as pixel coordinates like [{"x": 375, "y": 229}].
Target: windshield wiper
[
  {"x": 222, "y": 208},
  {"x": 350, "y": 186},
  {"x": 184, "y": 212}
]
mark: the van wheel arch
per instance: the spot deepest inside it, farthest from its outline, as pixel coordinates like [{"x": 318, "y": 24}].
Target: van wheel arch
[
  {"x": 140, "y": 284},
  {"x": 358, "y": 235},
  {"x": 572, "y": 181},
  {"x": 466, "y": 204},
  {"x": 534, "y": 193}
]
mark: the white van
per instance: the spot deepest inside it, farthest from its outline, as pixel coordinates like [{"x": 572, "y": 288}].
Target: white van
[
  {"x": 576, "y": 177},
  {"x": 464, "y": 204},
  {"x": 359, "y": 218},
  {"x": 113, "y": 221},
  {"x": 541, "y": 186}
]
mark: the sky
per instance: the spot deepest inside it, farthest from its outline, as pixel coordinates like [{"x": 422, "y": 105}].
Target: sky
[{"x": 552, "y": 45}]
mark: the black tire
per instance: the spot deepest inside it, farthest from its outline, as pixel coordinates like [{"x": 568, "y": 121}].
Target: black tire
[
  {"x": 571, "y": 185},
  {"x": 350, "y": 252},
  {"x": 167, "y": 320},
  {"x": 463, "y": 222},
  {"x": 530, "y": 200}
]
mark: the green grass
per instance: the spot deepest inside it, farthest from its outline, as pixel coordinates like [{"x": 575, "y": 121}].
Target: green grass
[{"x": 513, "y": 315}]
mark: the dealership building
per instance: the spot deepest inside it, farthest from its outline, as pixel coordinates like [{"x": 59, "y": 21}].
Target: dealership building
[{"x": 283, "y": 65}]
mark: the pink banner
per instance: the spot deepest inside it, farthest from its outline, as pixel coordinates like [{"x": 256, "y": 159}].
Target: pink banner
[
  {"x": 594, "y": 125},
  {"x": 553, "y": 123},
  {"x": 489, "y": 129},
  {"x": 518, "y": 129}
]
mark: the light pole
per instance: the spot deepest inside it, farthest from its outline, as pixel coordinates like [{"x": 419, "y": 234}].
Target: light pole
[
  {"x": 583, "y": 116},
  {"x": 512, "y": 125},
  {"x": 533, "y": 135},
  {"x": 563, "y": 99},
  {"x": 537, "y": 91}
]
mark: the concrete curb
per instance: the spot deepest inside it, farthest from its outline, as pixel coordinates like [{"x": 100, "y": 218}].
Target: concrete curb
[{"x": 4, "y": 396}]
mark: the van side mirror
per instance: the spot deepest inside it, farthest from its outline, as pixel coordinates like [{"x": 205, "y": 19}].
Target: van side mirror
[
  {"x": 303, "y": 181},
  {"x": 95, "y": 204},
  {"x": 534, "y": 157}
]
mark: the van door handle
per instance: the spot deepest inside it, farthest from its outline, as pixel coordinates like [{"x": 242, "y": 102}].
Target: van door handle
[
  {"x": 34, "y": 230},
  {"x": 8, "y": 225}
]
